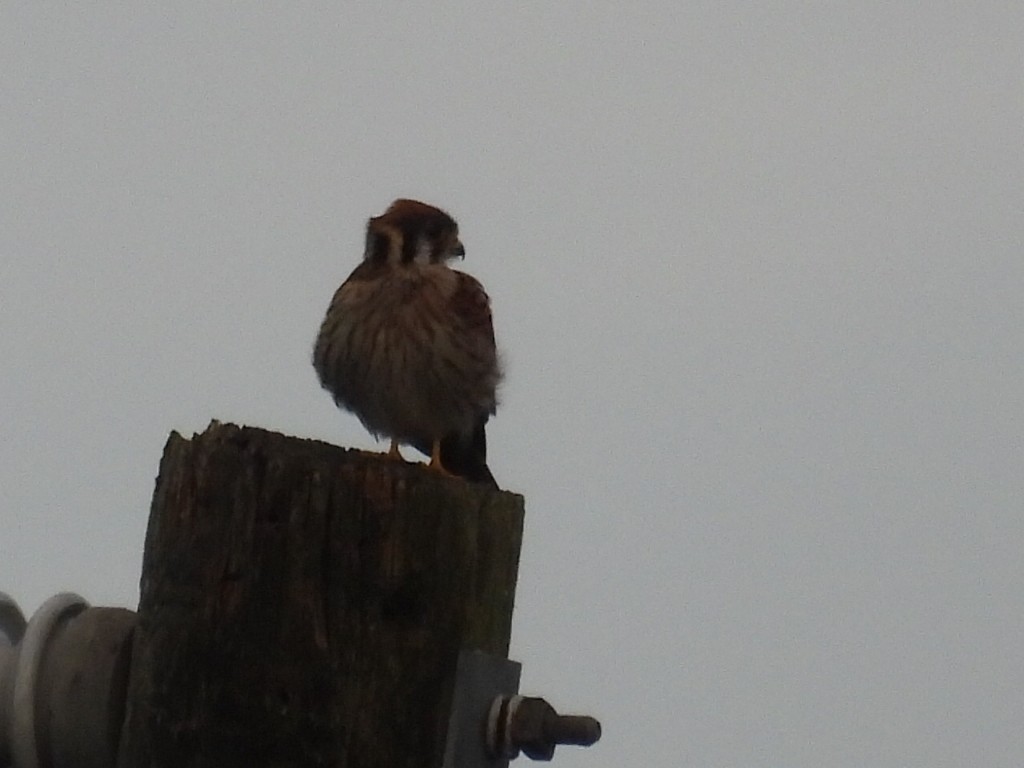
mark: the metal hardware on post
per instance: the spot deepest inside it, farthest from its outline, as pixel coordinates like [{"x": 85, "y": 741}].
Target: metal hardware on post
[
  {"x": 491, "y": 724},
  {"x": 530, "y": 725},
  {"x": 479, "y": 678}
]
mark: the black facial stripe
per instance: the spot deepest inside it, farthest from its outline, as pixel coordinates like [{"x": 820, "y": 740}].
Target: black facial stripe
[
  {"x": 377, "y": 246},
  {"x": 409, "y": 248}
]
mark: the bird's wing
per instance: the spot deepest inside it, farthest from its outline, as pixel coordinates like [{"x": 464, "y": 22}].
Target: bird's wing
[
  {"x": 470, "y": 304},
  {"x": 465, "y": 455}
]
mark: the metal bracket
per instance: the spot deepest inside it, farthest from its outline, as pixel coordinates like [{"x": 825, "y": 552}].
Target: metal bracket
[
  {"x": 479, "y": 679},
  {"x": 491, "y": 724}
]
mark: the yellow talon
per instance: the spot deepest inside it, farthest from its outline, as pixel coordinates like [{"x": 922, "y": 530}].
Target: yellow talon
[
  {"x": 435, "y": 460},
  {"x": 393, "y": 453}
]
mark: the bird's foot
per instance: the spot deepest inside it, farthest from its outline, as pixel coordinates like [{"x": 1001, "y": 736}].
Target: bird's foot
[
  {"x": 392, "y": 453},
  {"x": 435, "y": 460}
]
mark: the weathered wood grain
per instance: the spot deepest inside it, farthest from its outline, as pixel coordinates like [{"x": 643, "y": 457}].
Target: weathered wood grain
[{"x": 304, "y": 605}]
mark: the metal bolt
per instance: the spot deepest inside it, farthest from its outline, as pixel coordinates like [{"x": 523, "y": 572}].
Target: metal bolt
[{"x": 530, "y": 725}]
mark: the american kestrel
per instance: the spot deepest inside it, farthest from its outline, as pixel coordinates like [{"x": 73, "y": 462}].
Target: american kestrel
[{"x": 408, "y": 346}]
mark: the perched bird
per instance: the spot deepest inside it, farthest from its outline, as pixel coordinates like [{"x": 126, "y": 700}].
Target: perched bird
[{"x": 407, "y": 344}]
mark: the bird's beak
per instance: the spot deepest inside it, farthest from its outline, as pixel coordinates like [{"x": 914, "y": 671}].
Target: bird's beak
[{"x": 459, "y": 250}]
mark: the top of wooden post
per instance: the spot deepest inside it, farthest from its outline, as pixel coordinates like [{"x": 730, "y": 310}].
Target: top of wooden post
[{"x": 303, "y": 604}]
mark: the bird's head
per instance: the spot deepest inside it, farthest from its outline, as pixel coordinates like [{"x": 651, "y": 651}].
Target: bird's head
[{"x": 411, "y": 232}]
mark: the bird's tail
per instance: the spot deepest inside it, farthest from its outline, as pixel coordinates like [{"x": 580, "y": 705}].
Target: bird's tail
[{"x": 465, "y": 455}]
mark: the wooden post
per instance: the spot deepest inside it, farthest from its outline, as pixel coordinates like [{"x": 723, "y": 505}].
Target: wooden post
[{"x": 304, "y": 605}]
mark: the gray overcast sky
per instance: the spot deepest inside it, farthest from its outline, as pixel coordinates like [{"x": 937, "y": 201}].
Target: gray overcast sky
[{"x": 758, "y": 279}]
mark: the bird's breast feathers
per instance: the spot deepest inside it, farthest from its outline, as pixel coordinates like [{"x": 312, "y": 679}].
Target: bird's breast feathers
[
  {"x": 415, "y": 342},
  {"x": 416, "y": 294}
]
